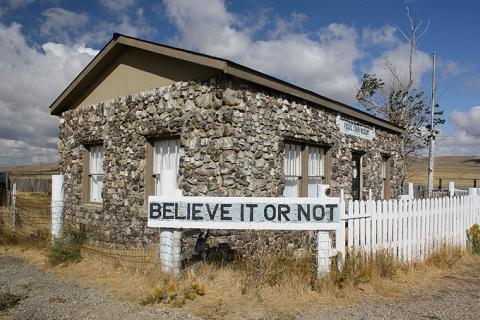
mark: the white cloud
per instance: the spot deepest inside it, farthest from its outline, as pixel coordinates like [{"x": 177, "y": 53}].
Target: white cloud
[
  {"x": 457, "y": 144},
  {"x": 14, "y": 4},
  {"x": 323, "y": 63},
  {"x": 135, "y": 25},
  {"x": 35, "y": 78},
  {"x": 467, "y": 121},
  {"x": 399, "y": 56},
  {"x": 117, "y": 5},
  {"x": 60, "y": 23},
  {"x": 450, "y": 68},
  {"x": 465, "y": 139},
  {"x": 386, "y": 35}
]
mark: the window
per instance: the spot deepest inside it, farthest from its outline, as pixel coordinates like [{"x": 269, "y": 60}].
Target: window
[
  {"x": 385, "y": 176},
  {"x": 304, "y": 170},
  {"x": 93, "y": 184},
  {"x": 357, "y": 164},
  {"x": 166, "y": 156},
  {"x": 292, "y": 170}
]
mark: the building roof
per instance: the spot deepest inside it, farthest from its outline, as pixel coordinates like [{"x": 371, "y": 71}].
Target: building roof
[{"x": 118, "y": 42}]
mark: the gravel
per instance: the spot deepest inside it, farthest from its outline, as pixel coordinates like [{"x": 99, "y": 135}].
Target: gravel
[
  {"x": 47, "y": 297},
  {"x": 455, "y": 296}
]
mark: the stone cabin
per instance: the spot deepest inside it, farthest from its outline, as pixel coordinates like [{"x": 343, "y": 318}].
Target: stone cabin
[{"x": 140, "y": 107}]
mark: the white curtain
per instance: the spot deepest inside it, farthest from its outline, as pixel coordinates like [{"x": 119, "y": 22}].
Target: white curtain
[
  {"x": 166, "y": 156},
  {"x": 315, "y": 170},
  {"x": 292, "y": 169},
  {"x": 96, "y": 173}
]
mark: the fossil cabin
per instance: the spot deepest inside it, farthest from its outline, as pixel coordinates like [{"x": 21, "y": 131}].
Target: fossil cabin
[{"x": 140, "y": 107}]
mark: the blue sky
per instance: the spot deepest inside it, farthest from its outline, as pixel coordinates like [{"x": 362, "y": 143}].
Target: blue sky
[{"x": 323, "y": 46}]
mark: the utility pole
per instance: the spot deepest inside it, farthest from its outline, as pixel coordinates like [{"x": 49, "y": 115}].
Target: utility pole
[{"x": 432, "y": 135}]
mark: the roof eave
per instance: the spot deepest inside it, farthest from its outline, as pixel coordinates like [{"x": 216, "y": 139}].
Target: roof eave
[{"x": 226, "y": 66}]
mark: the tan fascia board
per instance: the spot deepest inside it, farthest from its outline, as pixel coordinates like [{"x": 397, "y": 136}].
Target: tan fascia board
[
  {"x": 278, "y": 85},
  {"x": 184, "y": 55}
]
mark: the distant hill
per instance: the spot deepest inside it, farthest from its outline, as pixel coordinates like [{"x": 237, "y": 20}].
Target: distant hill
[
  {"x": 36, "y": 169},
  {"x": 461, "y": 169}
]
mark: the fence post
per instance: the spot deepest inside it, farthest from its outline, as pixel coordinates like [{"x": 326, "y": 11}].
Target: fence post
[
  {"x": 324, "y": 251},
  {"x": 14, "y": 206},
  {"x": 170, "y": 239},
  {"x": 472, "y": 191},
  {"x": 340, "y": 233},
  {"x": 451, "y": 189},
  {"x": 324, "y": 244},
  {"x": 411, "y": 193},
  {"x": 57, "y": 205}
]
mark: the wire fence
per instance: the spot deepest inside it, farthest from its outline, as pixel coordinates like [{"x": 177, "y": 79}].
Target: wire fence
[
  {"x": 421, "y": 192},
  {"x": 128, "y": 256},
  {"x": 30, "y": 223}
]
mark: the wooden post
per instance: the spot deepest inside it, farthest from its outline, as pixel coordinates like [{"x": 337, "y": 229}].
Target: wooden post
[
  {"x": 340, "y": 232},
  {"x": 170, "y": 239},
  {"x": 325, "y": 249},
  {"x": 14, "y": 204},
  {"x": 439, "y": 184},
  {"x": 451, "y": 189},
  {"x": 57, "y": 205},
  {"x": 474, "y": 183}
]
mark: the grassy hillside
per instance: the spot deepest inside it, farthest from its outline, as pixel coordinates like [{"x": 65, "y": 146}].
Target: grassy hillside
[
  {"x": 36, "y": 170},
  {"x": 461, "y": 169}
]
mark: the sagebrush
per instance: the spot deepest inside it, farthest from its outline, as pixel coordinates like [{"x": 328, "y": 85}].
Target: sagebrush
[
  {"x": 66, "y": 248},
  {"x": 474, "y": 238}
]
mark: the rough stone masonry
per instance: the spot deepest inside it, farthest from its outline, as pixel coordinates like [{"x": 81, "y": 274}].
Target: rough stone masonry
[{"x": 232, "y": 136}]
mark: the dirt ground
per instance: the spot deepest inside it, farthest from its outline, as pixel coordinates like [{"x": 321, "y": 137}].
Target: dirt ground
[{"x": 85, "y": 291}]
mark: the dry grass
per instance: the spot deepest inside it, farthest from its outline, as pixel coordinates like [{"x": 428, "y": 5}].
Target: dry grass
[
  {"x": 269, "y": 286},
  {"x": 33, "y": 220}
]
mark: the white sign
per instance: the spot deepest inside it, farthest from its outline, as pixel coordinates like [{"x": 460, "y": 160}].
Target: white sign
[
  {"x": 243, "y": 213},
  {"x": 355, "y": 129}
]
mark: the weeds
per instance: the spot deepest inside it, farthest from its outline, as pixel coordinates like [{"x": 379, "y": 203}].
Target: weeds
[
  {"x": 359, "y": 268},
  {"x": 474, "y": 238},
  {"x": 66, "y": 249},
  {"x": 175, "y": 292},
  {"x": 445, "y": 257},
  {"x": 8, "y": 237},
  {"x": 277, "y": 270},
  {"x": 9, "y": 300}
]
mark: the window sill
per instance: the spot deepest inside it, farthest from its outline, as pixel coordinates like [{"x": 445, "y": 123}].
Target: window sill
[{"x": 93, "y": 205}]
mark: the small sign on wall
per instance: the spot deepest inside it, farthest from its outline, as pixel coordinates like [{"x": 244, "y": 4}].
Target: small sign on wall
[
  {"x": 355, "y": 129},
  {"x": 243, "y": 213}
]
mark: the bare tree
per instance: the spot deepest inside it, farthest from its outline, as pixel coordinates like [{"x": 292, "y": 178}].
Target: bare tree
[{"x": 397, "y": 99}]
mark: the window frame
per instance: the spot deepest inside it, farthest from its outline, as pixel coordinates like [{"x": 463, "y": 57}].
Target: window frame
[
  {"x": 150, "y": 180},
  {"x": 87, "y": 175},
  {"x": 385, "y": 183},
  {"x": 304, "y": 164}
]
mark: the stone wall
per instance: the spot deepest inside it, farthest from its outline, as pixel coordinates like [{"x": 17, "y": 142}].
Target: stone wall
[{"x": 232, "y": 136}]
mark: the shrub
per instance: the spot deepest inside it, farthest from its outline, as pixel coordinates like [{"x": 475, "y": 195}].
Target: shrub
[
  {"x": 260, "y": 270},
  {"x": 8, "y": 237},
  {"x": 175, "y": 292},
  {"x": 474, "y": 238},
  {"x": 66, "y": 248},
  {"x": 359, "y": 268},
  {"x": 8, "y": 300},
  {"x": 446, "y": 256}
]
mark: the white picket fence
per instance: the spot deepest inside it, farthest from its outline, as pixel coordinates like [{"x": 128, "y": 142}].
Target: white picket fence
[{"x": 410, "y": 229}]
